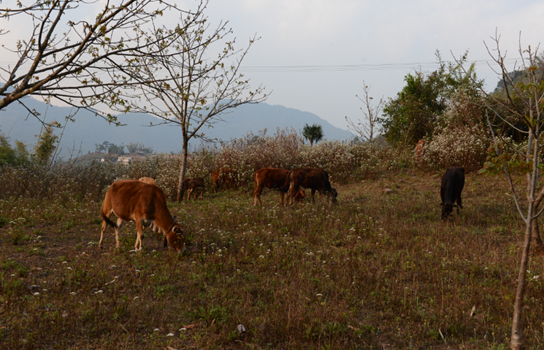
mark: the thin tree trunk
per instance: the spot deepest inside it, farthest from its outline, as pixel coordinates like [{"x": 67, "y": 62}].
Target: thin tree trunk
[
  {"x": 516, "y": 339},
  {"x": 539, "y": 246},
  {"x": 182, "y": 170}
]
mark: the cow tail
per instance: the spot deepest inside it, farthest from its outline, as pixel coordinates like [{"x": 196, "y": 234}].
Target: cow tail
[
  {"x": 285, "y": 187},
  {"x": 107, "y": 220}
]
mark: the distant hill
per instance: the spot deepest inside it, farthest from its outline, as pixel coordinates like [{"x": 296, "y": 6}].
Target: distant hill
[{"x": 89, "y": 130}]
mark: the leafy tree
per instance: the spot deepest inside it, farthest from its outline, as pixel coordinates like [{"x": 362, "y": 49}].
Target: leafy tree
[
  {"x": 312, "y": 133},
  {"x": 115, "y": 149},
  {"x": 46, "y": 146},
  {"x": 75, "y": 58},
  {"x": 413, "y": 114},
  {"x": 522, "y": 102},
  {"x": 192, "y": 80},
  {"x": 103, "y": 147},
  {"x": 13, "y": 156}
]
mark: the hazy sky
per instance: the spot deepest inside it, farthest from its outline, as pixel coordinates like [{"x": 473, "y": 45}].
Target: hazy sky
[{"x": 315, "y": 54}]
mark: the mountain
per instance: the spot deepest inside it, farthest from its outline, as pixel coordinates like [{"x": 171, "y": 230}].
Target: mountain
[{"x": 88, "y": 130}]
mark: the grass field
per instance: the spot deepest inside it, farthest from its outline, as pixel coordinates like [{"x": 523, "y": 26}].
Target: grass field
[{"x": 375, "y": 271}]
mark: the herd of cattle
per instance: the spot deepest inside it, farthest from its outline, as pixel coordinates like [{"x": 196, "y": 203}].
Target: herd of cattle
[{"x": 145, "y": 203}]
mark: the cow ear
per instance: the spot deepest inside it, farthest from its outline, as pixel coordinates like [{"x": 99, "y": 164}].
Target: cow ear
[{"x": 442, "y": 204}]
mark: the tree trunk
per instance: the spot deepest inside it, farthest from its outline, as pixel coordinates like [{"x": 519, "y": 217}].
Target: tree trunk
[
  {"x": 182, "y": 170},
  {"x": 516, "y": 339},
  {"x": 539, "y": 246}
]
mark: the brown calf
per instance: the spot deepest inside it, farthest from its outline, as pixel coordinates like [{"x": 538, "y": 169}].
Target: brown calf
[
  {"x": 221, "y": 177},
  {"x": 272, "y": 178},
  {"x": 143, "y": 203},
  {"x": 313, "y": 178},
  {"x": 195, "y": 184}
]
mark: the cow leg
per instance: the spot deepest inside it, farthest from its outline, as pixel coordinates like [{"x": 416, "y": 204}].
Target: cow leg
[
  {"x": 104, "y": 225},
  {"x": 257, "y": 194},
  {"x": 291, "y": 193},
  {"x": 117, "y": 230},
  {"x": 281, "y": 198},
  {"x": 138, "y": 244},
  {"x": 313, "y": 194}
]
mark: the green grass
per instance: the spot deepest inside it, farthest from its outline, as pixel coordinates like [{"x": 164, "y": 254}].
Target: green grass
[{"x": 376, "y": 271}]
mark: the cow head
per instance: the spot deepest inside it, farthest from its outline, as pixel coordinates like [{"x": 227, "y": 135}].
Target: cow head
[
  {"x": 447, "y": 208},
  {"x": 332, "y": 195},
  {"x": 301, "y": 194},
  {"x": 175, "y": 236}
]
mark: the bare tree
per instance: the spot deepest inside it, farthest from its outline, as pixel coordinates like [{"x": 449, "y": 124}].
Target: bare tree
[
  {"x": 77, "y": 62},
  {"x": 193, "y": 80},
  {"x": 522, "y": 100},
  {"x": 367, "y": 128}
]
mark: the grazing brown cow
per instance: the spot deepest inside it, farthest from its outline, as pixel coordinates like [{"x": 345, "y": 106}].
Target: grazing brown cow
[
  {"x": 221, "y": 177},
  {"x": 313, "y": 178},
  {"x": 452, "y": 185},
  {"x": 143, "y": 203},
  {"x": 147, "y": 180},
  {"x": 272, "y": 178},
  {"x": 195, "y": 184}
]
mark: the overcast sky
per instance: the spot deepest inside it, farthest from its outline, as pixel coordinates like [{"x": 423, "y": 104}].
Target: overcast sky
[{"x": 314, "y": 55}]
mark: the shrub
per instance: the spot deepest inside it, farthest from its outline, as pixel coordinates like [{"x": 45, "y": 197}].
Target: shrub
[{"x": 461, "y": 139}]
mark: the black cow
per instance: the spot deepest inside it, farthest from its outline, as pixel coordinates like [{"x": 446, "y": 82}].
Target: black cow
[{"x": 453, "y": 182}]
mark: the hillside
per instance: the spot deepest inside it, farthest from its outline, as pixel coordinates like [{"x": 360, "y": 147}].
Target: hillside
[{"x": 89, "y": 130}]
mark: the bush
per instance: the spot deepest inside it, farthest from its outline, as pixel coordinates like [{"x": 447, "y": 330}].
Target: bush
[{"x": 461, "y": 139}]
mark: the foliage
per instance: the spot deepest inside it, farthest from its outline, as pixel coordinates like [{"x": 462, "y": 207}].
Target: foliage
[
  {"x": 312, "y": 133},
  {"x": 46, "y": 146},
  {"x": 460, "y": 138},
  {"x": 345, "y": 162},
  {"x": 415, "y": 112},
  {"x": 13, "y": 156},
  {"x": 110, "y": 148}
]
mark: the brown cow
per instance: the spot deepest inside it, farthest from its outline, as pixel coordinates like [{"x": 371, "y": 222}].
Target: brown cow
[
  {"x": 451, "y": 187},
  {"x": 147, "y": 180},
  {"x": 195, "y": 184},
  {"x": 313, "y": 178},
  {"x": 220, "y": 177},
  {"x": 143, "y": 203},
  {"x": 272, "y": 178}
]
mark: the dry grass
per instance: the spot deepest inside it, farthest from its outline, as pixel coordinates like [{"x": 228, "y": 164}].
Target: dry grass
[{"x": 376, "y": 271}]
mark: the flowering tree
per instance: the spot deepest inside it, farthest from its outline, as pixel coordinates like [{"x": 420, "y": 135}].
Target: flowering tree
[
  {"x": 68, "y": 58},
  {"x": 184, "y": 84}
]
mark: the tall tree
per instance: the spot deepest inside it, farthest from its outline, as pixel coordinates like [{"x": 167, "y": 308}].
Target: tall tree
[
  {"x": 67, "y": 58},
  {"x": 312, "y": 133},
  {"x": 193, "y": 80},
  {"x": 523, "y": 101},
  {"x": 413, "y": 114}
]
